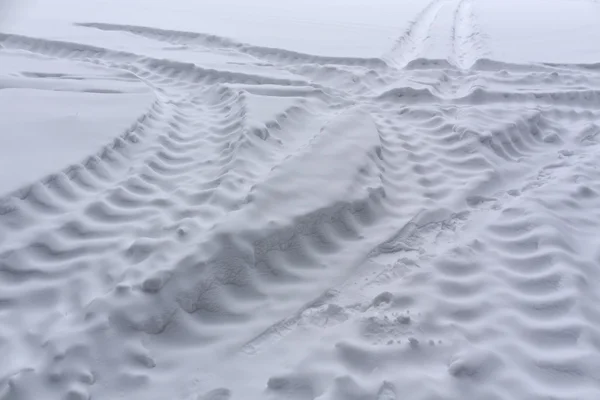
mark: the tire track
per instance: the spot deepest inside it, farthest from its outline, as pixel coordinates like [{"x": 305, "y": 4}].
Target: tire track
[
  {"x": 271, "y": 54},
  {"x": 411, "y": 43},
  {"x": 467, "y": 38},
  {"x": 133, "y": 231},
  {"x": 184, "y": 254},
  {"x": 508, "y": 281}
]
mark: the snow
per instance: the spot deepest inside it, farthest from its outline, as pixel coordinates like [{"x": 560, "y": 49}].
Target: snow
[
  {"x": 546, "y": 31},
  {"x": 299, "y": 200},
  {"x": 70, "y": 114}
]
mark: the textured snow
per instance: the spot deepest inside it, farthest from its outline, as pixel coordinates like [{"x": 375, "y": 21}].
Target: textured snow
[{"x": 294, "y": 200}]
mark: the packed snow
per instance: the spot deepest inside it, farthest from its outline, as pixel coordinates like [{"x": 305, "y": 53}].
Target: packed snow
[{"x": 303, "y": 200}]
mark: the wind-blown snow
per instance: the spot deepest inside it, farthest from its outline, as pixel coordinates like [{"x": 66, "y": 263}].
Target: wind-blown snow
[{"x": 300, "y": 200}]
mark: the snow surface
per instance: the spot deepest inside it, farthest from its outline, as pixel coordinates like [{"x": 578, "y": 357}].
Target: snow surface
[
  {"x": 333, "y": 200},
  {"x": 71, "y": 111}
]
